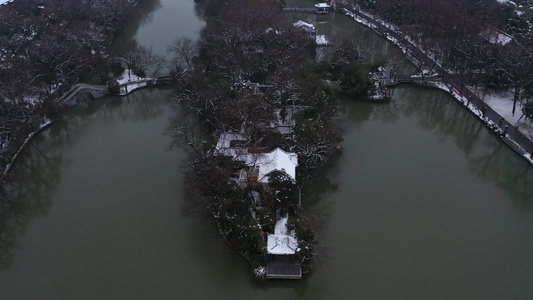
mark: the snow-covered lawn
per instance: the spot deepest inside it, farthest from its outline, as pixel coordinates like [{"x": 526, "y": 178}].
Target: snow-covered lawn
[{"x": 502, "y": 103}]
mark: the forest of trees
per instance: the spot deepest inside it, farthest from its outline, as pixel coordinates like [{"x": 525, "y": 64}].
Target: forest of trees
[
  {"x": 46, "y": 46},
  {"x": 249, "y": 62},
  {"x": 461, "y": 35}
]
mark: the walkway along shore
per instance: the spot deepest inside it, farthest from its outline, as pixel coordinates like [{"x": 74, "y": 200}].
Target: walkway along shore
[{"x": 451, "y": 83}]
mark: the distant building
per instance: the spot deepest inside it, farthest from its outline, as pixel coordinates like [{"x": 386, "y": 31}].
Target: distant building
[
  {"x": 322, "y": 8},
  {"x": 307, "y": 27},
  {"x": 496, "y": 36},
  {"x": 321, "y": 40}
]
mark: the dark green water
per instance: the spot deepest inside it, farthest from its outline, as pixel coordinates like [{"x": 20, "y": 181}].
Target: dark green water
[{"x": 424, "y": 204}]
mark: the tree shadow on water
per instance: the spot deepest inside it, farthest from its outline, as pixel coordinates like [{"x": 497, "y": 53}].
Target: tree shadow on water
[
  {"x": 489, "y": 158},
  {"x": 28, "y": 193}
]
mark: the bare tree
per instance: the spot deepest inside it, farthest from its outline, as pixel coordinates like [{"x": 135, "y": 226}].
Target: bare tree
[
  {"x": 141, "y": 60},
  {"x": 184, "y": 50},
  {"x": 517, "y": 66}
]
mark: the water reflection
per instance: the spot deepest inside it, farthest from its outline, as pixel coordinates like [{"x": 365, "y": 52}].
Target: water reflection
[
  {"x": 488, "y": 157},
  {"x": 199, "y": 11},
  {"x": 34, "y": 178},
  {"x": 37, "y": 173},
  {"x": 143, "y": 15}
]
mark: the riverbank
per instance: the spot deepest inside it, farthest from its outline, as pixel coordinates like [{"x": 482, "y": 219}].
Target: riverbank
[
  {"x": 512, "y": 134},
  {"x": 26, "y": 141},
  {"x": 128, "y": 84},
  {"x": 43, "y": 59},
  {"x": 499, "y": 128}
]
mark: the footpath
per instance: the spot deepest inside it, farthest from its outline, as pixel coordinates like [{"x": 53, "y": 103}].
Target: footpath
[{"x": 453, "y": 84}]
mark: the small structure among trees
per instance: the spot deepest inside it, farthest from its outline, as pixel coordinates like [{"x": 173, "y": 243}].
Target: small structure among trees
[
  {"x": 322, "y": 8},
  {"x": 281, "y": 247}
]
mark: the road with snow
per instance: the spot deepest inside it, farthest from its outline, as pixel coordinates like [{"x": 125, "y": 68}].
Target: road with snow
[{"x": 456, "y": 83}]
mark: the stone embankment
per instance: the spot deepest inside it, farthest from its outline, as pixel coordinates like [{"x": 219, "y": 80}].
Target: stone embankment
[
  {"x": 453, "y": 83},
  {"x": 70, "y": 98}
]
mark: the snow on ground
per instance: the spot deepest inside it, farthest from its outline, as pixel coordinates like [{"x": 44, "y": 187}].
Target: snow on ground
[
  {"x": 30, "y": 136},
  {"x": 358, "y": 19},
  {"x": 127, "y": 77},
  {"x": 281, "y": 226},
  {"x": 129, "y": 82},
  {"x": 280, "y": 242},
  {"x": 502, "y": 103},
  {"x": 126, "y": 89},
  {"x": 2, "y": 2}
]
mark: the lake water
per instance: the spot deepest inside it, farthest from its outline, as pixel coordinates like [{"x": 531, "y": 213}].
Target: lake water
[{"x": 425, "y": 203}]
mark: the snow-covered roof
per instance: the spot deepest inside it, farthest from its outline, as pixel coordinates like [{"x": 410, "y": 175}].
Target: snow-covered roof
[
  {"x": 266, "y": 163},
  {"x": 276, "y": 160},
  {"x": 280, "y": 242},
  {"x": 495, "y": 36},
  {"x": 304, "y": 25},
  {"x": 322, "y": 40},
  {"x": 507, "y": 2},
  {"x": 322, "y": 5},
  {"x": 269, "y": 30},
  {"x": 224, "y": 141},
  {"x": 225, "y": 148},
  {"x": 2, "y": 2}
]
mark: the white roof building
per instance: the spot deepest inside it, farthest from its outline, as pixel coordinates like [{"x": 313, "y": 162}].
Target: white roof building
[
  {"x": 304, "y": 25},
  {"x": 276, "y": 160},
  {"x": 322, "y": 40},
  {"x": 225, "y": 147},
  {"x": 322, "y": 8},
  {"x": 495, "y": 36},
  {"x": 264, "y": 163},
  {"x": 322, "y": 5}
]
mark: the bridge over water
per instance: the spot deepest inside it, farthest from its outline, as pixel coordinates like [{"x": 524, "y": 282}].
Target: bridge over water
[{"x": 73, "y": 96}]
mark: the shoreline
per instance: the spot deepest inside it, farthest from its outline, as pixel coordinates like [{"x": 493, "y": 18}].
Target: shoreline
[
  {"x": 524, "y": 149},
  {"x": 26, "y": 141},
  {"x": 135, "y": 85}
]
